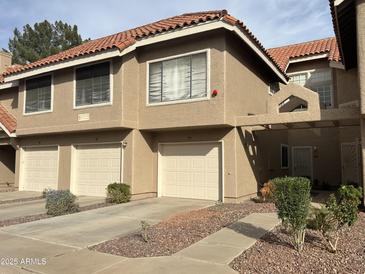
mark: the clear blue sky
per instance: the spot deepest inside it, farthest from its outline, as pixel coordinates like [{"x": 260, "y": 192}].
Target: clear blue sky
[{"x": 274, "y": 22}]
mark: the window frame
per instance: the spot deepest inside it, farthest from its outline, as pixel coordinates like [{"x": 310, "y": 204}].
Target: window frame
[
  {"x": 110, "y": 85},
  {"x": 309, "y": 72},
  {"x": 207, "y": 97},
  {"x": 281, "y": 156},
  {"x": 25, "y": 95}
]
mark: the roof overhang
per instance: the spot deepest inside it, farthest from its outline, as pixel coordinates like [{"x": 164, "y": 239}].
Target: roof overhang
[
  {"x": 10, "y": 134},
  {"x": 9, "y": 85},
  {"x": 186, "y": 31},
  {"x": 344, "y": 22}
]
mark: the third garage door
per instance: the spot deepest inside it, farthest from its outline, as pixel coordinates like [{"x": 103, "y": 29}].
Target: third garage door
[
  {"x": 96, "y": 166},
  {"x": 190, "y": 170}
]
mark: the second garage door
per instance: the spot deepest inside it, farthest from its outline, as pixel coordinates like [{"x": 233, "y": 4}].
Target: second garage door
[
  {"x": 190, "y": 171},
  {"x": 96, "y": 166},
  {"x": 39, "y": 168}
]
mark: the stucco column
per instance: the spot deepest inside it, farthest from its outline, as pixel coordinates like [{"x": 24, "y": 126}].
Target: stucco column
[{"x": 360, "y": 21}]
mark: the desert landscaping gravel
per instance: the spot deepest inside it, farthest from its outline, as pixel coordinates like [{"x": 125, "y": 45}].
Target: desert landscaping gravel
[
  {"x": 273, "y": 254},
  {"x": 181, "y": 230}
]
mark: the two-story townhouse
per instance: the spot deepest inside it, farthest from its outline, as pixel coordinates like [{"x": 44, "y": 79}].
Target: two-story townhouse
[
  {"x": 153, "y": 107},
  {"x": 190, "y": 106}
]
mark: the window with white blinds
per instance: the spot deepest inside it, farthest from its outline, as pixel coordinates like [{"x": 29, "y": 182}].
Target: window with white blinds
[
  {"x": 177, "y": 79},
  {"x": 38, "y": 94},
  {"x": 93, "y": 85}
]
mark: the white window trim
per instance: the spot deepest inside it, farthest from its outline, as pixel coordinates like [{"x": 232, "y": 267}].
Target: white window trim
[
  {"x": 111, "y": 76},
  {"x": 309, "y": 72},
  {"x": 25, "y": 95},
  {"x": 281, "y": 156},
  {"x": 207, "y": 97}
]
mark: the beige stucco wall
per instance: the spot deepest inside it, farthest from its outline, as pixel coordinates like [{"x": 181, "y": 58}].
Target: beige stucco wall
[
  {"x": 246, "y": 81},
  {"x": 9, "y": 99},
  {"x": 7, "y": 165},
  {"x": 199, "y": 113},
  {"x": 347, "y": 85},
  {"x": 64, "y": 117}
]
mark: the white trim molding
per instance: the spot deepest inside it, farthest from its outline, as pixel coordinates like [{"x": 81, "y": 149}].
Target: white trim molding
[
  {"x": 9, "y": 85},
  {"x": 189, "y": 30}
]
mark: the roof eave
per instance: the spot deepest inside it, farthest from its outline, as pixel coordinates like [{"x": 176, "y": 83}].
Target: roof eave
[{"x": 173, "y": 34}]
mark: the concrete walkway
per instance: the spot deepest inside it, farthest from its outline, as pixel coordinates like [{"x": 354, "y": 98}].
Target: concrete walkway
[
  {"x": 225, "y": 245},
  {"x": 6, "y": 197},
  {"x": 34, "y": 207},
  {"x": 210, "y": 255},
  {"x": 91, "y": 227}
]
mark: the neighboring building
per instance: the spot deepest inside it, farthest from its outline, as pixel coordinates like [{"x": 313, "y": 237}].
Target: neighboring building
[{"x": 191, "y": 106}]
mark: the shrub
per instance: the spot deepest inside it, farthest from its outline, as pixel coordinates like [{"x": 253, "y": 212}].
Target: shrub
[
  {"x": 267, "y": 191},
  {"x": 59, "y": 202},
  {"x": 119, "y": 193},
  {"x": 341, "y": 210},
  {"x": 292, "y": 200},
  {"x": 144, "y": 231}
]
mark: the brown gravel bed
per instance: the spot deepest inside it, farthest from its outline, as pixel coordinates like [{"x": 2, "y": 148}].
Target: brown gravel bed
[
  {"x": 181, "y": 230},
  {"x": 36, "y": 217},
  {"x": 273, "y": 254}
]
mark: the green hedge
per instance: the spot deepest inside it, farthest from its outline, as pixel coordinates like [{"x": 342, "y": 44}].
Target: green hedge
[
  {"x": 119, "y": 193},
  {"x": 59, "y": 202}
]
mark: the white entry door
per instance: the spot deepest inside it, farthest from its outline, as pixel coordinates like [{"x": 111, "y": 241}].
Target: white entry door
[
  {"x": 302, "y": 162},
  {"x": 39, "y": 168},
  {"x": 190, "y": 171},
  {"x": 350, "y": 162},
  {"x": 94, "y": 167}
]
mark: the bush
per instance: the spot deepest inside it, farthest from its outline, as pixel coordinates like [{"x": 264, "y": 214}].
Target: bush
[
  {"x": 292, "y": 200},
  {"x": 119, "y": 193},
  {"x": 341, "y": 210},
  {"x": 59, "y": 202}
]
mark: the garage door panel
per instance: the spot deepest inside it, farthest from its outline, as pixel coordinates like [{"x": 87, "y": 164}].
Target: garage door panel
[
  {"x": 39, "y": 168},
  {"x": 96, "y": 166},
  {"x": 190, "y": 171}
]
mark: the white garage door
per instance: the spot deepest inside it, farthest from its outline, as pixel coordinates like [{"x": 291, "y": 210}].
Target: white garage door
[
  {"x": 39, "y": 168},
  {"x": 190, "y": 171},
  {"x": 95, "y": 167}
]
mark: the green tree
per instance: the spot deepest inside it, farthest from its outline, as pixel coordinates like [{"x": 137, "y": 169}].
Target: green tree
[{"x": 42, "y": 40}]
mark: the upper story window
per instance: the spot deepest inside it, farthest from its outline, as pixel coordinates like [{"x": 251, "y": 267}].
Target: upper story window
[
  {"x": 182, "y": 78},
  {"x": 38, "y": 94},
  {"x": 93, "y": 85},
  {"x": 319, "y": 81}
]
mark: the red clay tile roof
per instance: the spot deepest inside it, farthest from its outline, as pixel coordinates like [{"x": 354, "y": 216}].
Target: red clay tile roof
[
  {"x": 7, "y": 120},
  {"x": 282, "y": 55},
  {"x": 124, "y": 39}
]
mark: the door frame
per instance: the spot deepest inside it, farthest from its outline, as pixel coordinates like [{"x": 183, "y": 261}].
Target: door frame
[
  {"x": 357, "y": 160},
  {"x": 311, "y": 159},
  {"x": 73, "y": 161},
  {"x": 21, "y": 163},
  {"x": 220, "y": 144}
]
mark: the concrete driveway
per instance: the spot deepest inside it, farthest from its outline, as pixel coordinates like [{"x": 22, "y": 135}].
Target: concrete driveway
[
  {"x": 6, "y": 197},
  {"x": 34, "y": 207},
  {"x": 94, "y": 226}
]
